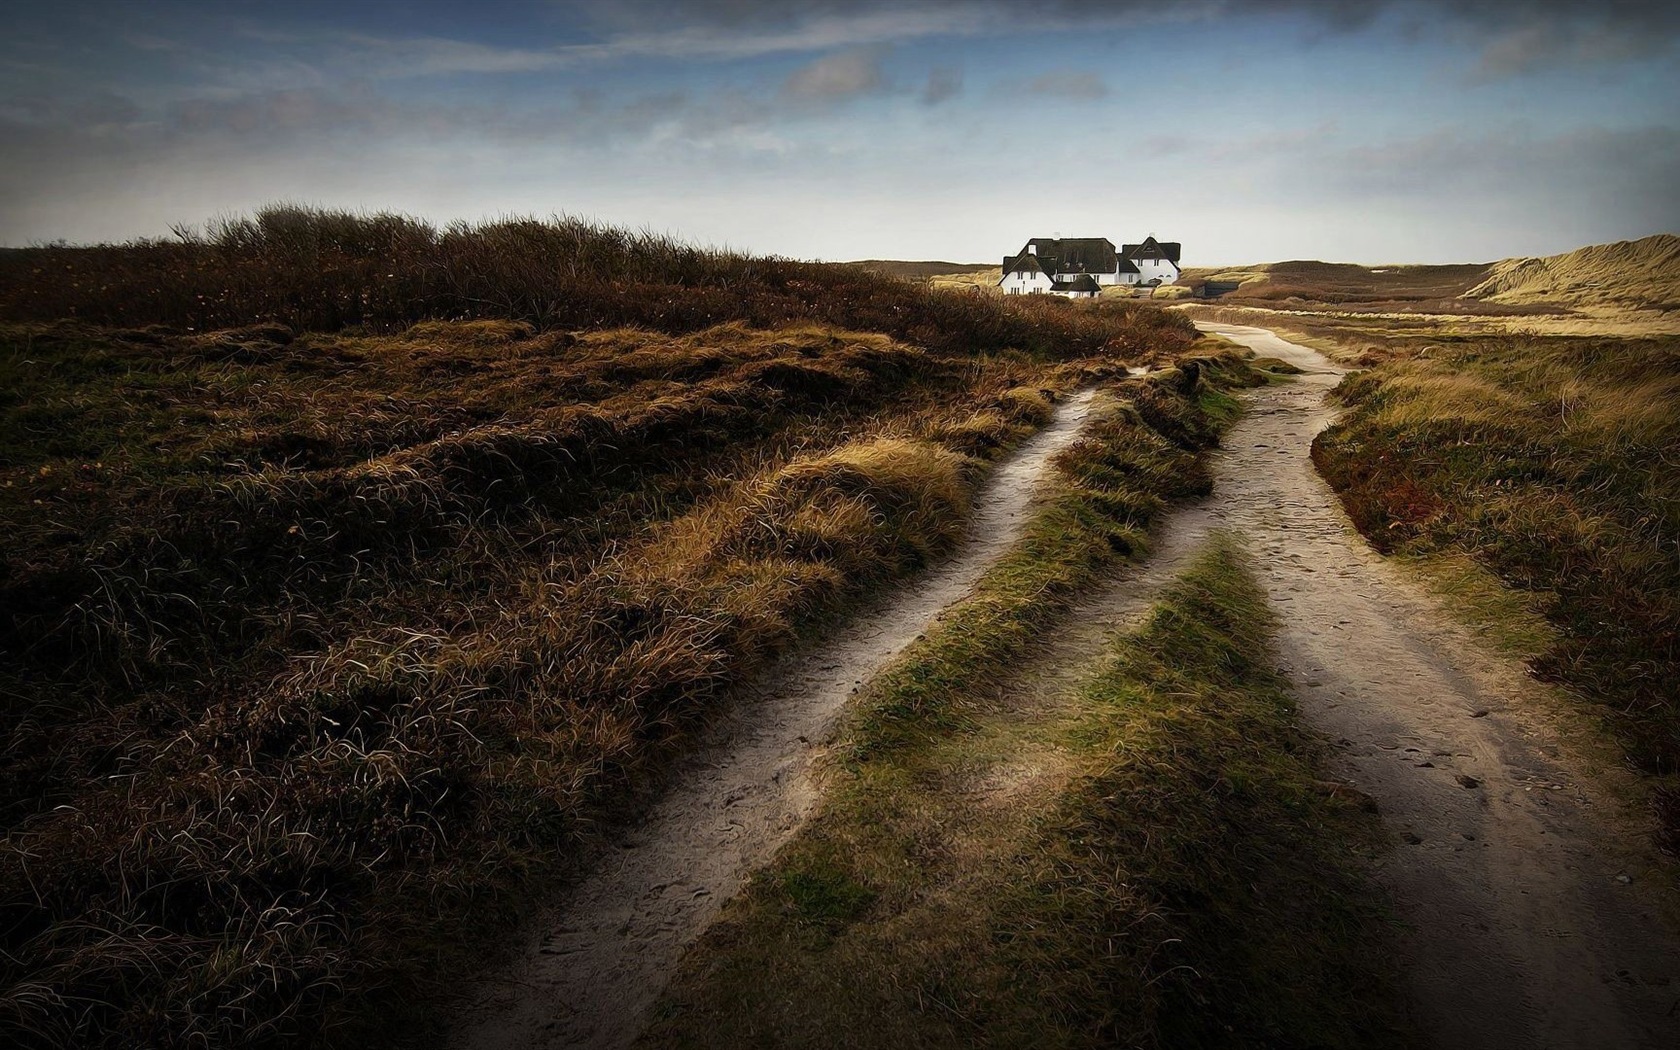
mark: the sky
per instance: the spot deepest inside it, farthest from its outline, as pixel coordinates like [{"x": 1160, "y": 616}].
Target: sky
[{"x": 1249, "y": 130}]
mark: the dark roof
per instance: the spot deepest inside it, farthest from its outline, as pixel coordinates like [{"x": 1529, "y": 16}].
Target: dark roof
[
  {"x": 1076, "y": 254},
  {"x": 1083, "y": 283},
  {"x": 1152, "y": 249},
  {"x": 1128, "y": 266},
  {"x": 1026, "y": 262}
]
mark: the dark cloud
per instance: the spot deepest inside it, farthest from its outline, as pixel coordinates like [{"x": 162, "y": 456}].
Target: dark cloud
[
  {"x": 320, "y": 107},
  {"x": 1513, "y": 36}
]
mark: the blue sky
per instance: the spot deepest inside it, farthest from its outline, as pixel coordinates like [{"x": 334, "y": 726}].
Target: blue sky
[{"x": 1399, "y": 131}]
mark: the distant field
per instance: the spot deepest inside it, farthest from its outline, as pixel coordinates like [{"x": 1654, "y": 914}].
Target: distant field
[
  {"x": 1342, "y": 283},
  {"x": 985, "y": 278},
  {"x": 921, "y": 271},
  {"x": 1630, "y": 288}
]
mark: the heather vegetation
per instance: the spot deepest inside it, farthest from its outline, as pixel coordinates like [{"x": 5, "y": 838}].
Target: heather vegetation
[
  {"x": 1554, "y": 462},
  {"x": 356, "y": 571}
]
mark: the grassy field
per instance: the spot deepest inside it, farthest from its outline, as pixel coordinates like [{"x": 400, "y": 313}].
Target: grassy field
[
  {"x": 1109, "y": 871},
  {"x": 357, "y": 571},
  {"x": 1644, "y": 274}
]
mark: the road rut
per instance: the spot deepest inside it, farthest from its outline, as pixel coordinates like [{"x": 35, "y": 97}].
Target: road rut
[
  {"x": 595, "y": 970},
  {"x": 1534, "y": 904}
]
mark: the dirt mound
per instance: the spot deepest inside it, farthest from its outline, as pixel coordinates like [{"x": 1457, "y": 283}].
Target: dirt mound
[{"x": 1645, "y": 272}]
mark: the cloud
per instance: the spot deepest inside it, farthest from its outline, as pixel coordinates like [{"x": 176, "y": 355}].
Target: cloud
[
  {"x": 429, "y": 56},
  {"x": 89, "y": 109},
  {"x": 943, "y": 84},
  {"x": 1085, "y": 86},
  {"x": 1513, "y": 36},
  {"x": 307, "y": 110},
  {"x": 1510, "y": 37},
  {"x": 837, "y": 77},
  {"x": 1570, "y": 41}
]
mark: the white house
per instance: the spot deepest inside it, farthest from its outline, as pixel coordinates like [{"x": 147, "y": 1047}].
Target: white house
[
  {"x": 1079, "y": 267},
  {"x": 1156, "y": 261}
]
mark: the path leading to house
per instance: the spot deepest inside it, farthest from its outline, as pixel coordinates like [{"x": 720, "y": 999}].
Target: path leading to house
[
  {"x": 598, "y": 965},
  {"x": 1535, "y": 906}
]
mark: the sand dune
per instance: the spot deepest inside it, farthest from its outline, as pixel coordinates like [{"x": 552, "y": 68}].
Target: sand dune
[{"x": 1645, "y": 272}]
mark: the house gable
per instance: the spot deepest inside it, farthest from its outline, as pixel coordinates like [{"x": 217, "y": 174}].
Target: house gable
[
  {"x": 1153, "y": 249},
  {"x": 1026, "y": 263}
]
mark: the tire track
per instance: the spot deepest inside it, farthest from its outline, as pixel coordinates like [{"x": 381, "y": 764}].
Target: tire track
[{"x": 597, "y": 966}]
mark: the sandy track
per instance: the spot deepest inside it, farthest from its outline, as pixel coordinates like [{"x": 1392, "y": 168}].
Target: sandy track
[
  {"x": 1534, "y": 904},
  {"x": 594, "y": 970},
  {"x": 1537, "y": 914}
]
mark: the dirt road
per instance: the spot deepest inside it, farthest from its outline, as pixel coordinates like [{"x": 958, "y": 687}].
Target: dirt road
[
  {"x": 1537, "y": 915},
  {"x": 596, "y": 968},
  {"x": 1532, "y": 900}
]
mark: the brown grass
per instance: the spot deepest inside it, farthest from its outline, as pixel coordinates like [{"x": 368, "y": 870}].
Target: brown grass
[{"x": 325, "y": 645}]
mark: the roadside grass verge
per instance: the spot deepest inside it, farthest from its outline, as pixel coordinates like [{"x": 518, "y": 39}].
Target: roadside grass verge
[
  {"x": 1552, "y": 462},
  {"x": 1154, "y": 860},
  {"x": 1512, "y": 621},
  {"x": 326, "y": 650}
]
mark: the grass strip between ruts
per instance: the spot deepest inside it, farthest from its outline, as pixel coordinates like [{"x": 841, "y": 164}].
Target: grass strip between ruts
[{"x": 1154, "y": 860}]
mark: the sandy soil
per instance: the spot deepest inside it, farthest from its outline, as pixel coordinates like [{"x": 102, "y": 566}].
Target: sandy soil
[
  {"x": 1535, "y": 907},
  {"x": 589, "y": 976}
]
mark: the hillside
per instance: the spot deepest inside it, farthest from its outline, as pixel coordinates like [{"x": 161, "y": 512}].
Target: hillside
[
  {"x": 1341, "y": 283},
  {"x": 357, "y": 570},
  {"x": 1643, "y": 273}
]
